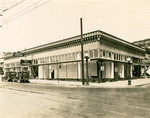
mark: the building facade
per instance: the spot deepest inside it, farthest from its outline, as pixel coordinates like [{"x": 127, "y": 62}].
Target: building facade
[
  {"x": 62, "y": 59},
  {"x": 1, "y": 66},
  {"x": 146, "y": 45},
  {"x": 143, "y": 43}
]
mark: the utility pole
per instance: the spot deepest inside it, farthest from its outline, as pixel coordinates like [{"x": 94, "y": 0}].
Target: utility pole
[
  {"x": 1, "y": 15},
  {"x": 82, "y": 58}
]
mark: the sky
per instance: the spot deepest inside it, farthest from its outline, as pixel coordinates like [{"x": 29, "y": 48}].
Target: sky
[{"x": 60, "y": 19}]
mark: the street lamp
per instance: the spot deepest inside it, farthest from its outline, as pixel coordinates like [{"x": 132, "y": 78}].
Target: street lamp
[
  {"x": 87, "y": 76},
  {"x": 129, "y": 77}
]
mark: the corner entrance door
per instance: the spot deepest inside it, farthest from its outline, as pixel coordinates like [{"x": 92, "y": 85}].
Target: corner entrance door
[{"x": 52, "y": 74}]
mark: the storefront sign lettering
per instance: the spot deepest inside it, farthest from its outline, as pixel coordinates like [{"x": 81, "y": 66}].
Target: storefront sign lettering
[{"x": 25, "y": 62}]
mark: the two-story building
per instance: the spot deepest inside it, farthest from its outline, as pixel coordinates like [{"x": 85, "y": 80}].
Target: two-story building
[{"x": 62, "y": 59}]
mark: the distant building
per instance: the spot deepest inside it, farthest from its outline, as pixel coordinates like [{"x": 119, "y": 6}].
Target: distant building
[
  {"x": 143, "y": 43},
  {"x": 62, "y": 59},
  {"x": 146, "y": 45},
  {"x": 1, "y": 65}
]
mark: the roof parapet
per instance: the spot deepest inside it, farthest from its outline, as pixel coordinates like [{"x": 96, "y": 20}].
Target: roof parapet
[{"x": 78, "y": 37}]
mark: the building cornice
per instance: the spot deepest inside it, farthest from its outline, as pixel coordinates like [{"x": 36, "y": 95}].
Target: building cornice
[{"x": 76, "y": 40}]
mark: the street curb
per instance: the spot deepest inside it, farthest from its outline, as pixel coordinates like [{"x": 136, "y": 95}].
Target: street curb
[{"x": 63, "y": 84}]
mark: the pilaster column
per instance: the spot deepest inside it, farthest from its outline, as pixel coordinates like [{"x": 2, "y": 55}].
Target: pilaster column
[
  {"x": 131, "y": 72},
  {"x": 79, "y": 70},
  {"x": 40, "y": 71},
  {"x": 112, "y": 69}
]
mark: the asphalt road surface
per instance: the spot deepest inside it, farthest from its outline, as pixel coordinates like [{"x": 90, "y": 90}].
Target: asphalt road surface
[{"x": 27, "y": 100}]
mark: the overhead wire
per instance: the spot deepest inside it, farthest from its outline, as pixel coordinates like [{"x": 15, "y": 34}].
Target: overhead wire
[
  {"x": 9, "y": 19},
  {"x": 16, "y": 15},
  {"x": 12, "y": 6},
  {"x": 23, "y": 10},
  {"x": 96, "y": 17}
]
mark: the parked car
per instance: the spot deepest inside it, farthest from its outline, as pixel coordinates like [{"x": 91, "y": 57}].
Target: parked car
[
  {"x": 22, "y": 77},
  {"x": 9, "y": 76}
]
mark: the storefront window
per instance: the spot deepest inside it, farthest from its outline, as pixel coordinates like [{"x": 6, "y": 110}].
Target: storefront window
[
  {"x": 119, "y": 57},
  {"x": 36, "y": 61},
  {"x": 91, "y": 53},
  {"x": 62, "y": 58},
  {"x": 69, "y": 56},
  {"x": 47, "y": 60},
  {"x": 42, "y": 60},
  {"x": 78, "y": 55},
  {"x": 73, "y": 56},
  {"x": 7, "y": 65},
  {"x": 12, "y": 64},
  {"x": 66, "y": 57},
  {"x": 56, "y": 57},
  {"x": 109, "y": 54},
  {"x": 101, "y": 53},
  {"x": 106, "y": 54},
  {"x": 95, "y": 53},
  {"x": 52, "y": 59},
  {"x": 115, "y": 56},
  {"x": 17, "y": 63},
  {"x": 125, "y": 58},
  {"x": 7, "y": 70}
]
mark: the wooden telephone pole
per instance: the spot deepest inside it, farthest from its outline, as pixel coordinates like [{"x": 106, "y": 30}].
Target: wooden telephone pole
[{"x": 82, "y": 58}]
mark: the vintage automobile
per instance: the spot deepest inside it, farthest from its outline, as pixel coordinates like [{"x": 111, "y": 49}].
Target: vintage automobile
[
  {"x": 22, "y": 77},
  {"x": 16, "y": 77},
  {"x": 9, "y": 76}
]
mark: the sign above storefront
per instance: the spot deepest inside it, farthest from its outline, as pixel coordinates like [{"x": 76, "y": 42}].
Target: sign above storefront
[
  {"x": 145, "y": 61},
  {"x": 25, "y": 62},
  {"x": 18, "y": 54}
]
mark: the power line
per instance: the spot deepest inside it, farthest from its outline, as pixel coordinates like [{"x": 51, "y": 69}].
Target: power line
[
  {"x": 31, "y": 7},
  {"x": 23, "y": 10},
  {"x": 12, "y": 6},
  {"x": 116, "y": 14}
]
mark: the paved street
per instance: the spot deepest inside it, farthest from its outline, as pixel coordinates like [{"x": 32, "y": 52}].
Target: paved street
[{"x": 33, "y": 100}]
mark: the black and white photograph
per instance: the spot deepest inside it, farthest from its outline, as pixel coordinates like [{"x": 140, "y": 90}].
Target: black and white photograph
[{"x": 74, "y": 58}]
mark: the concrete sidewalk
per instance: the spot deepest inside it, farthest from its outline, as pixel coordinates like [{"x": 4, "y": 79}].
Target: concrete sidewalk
[{"x": 116, "y": 84}]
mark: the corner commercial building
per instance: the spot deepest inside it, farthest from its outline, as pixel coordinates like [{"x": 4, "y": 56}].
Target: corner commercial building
[
  {"x": 62, "y": 59},
  {"x": 146, "y": 45}
]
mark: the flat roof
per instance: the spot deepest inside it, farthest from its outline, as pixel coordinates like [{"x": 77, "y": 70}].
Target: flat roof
[{"x": 77, "y": 38}]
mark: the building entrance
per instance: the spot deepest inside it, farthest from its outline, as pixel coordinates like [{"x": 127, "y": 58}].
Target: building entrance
[
  {"x": 34, "y": 71},
  {"x": 137, "y": 71}
]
